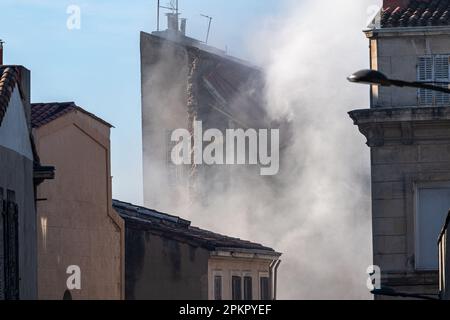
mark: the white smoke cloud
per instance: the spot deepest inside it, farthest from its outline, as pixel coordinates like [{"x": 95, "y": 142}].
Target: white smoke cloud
[
  {"x": 317, "y": 210},
  {"x": 326, "y": 235}
]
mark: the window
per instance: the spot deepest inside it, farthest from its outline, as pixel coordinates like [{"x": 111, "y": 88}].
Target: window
[
  {"x": 264, "y": 288},
  {"x": 236, "y": 284},
  {"x": 248, "y": 288},
  {"x": 433, "y": 69},
  {"x": 433, "y": 204},
  {"x": 218, "y": 287}
]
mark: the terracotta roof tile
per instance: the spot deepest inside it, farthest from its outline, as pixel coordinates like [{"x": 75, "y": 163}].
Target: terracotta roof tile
[
  {"x": 44, "y": 113},
  {"x": 415, "y": 13}
]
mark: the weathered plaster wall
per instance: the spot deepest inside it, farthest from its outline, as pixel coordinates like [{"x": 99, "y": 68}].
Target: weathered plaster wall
[
  {"x": 76, "y": 222},
  {"x": 159, "y": 268},
  {"x": 16, "y": 174}
]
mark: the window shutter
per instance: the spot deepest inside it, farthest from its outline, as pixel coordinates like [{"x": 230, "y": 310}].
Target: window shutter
[
  {"x": 441, "y": 70},
  {"x": 425, "y": 69},
  {"x": 264, "y": 288},
  {"x": 425, "y": 97},
  {"x": 433, "y": 69},
  {"x": 218, "y": 288},
  {"x": 248, "y": 288},
  {"x": 236, "y": 284}
]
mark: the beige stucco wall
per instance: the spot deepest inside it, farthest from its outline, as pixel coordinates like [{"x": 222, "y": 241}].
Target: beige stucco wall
[
  {"x": 76, "y": 222},
  {"x": 229, "y": 266}
]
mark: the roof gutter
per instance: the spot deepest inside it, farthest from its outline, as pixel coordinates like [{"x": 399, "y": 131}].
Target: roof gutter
[
  {"x": 245, "y": 253},
  {"x": 407, "y": 31}
]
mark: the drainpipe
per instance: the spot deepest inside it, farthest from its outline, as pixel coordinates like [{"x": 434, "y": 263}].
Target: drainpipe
[
  {"x": 271, "y": 265},
  {"x": 277, "y": 265}
]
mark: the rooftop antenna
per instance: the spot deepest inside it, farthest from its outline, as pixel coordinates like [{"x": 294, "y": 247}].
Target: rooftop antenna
[
  {"x": 172, "y": 6},
  {"x": 209, "y": 26},
  {"x": 1, "y": 51}
]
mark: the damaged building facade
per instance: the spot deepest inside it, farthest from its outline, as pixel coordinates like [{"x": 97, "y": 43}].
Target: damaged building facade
[
  {"x": 408, "y": 132},
  {"x": 185, "y": 81}
]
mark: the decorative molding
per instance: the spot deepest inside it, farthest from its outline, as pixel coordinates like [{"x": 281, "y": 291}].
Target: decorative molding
[
  {"x": 374, "y": 134},
  {"x": 407, "y": 133}
]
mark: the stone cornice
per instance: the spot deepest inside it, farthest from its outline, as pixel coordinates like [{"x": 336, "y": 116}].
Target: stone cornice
[
  {"x": 403, "y": 114},
  {"x": 373, "y": 122}
]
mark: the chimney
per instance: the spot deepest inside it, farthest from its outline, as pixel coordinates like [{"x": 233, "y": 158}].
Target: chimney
[
  {"x": 183, "y": 26},
  {"x": 394, "y": 4},
  {"x": 1, "y": 52},
  {"x": 172, "y": 21}
]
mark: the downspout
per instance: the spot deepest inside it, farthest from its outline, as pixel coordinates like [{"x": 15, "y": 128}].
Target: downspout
[
  {"x": 277, "y": 265},
  {"x": 271, "y": 282}
]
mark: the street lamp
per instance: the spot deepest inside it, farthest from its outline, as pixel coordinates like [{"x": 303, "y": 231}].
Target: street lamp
[{"x": 374, "y": 77}]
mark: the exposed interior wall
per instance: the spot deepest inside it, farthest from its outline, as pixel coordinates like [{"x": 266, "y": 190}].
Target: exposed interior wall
[
  {"x": 164, "y": 76},
  {"x": 76, "y": 222}
]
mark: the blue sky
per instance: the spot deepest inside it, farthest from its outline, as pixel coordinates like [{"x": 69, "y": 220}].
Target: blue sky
[{"x": 97, "y": 66}]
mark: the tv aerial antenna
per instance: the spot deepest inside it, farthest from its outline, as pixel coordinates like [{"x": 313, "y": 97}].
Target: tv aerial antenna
[
  {"x": 209, "y": 26},
  {"x": 172, "y": 6}
]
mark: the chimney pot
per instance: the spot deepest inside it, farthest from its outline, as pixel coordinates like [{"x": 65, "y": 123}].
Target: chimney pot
[
  {"x": 183, "y": 26},
  {"x": 172, "y": 21}
]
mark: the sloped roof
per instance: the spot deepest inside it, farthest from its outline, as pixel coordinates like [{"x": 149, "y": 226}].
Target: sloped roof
[
  {"x": 180, "y": 229},
  {"x": 44, "y": 113},
  {"x": 415, "y": 13},
  {"x": 9, "y": 77}
]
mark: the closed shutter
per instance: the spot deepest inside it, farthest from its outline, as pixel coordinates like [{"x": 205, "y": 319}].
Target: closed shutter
[
  {"x": 425, "y": 69},
  {"x": 218, "y": 288},
  {"x": 433, "y": 70},
  {"x": 441, "y": 72},
  {"x": 425, "y": 74},
  {"x": 248, "y": 289},
  {"x": 264, "y": 289},
  {"x": 236, "y": 284}
]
